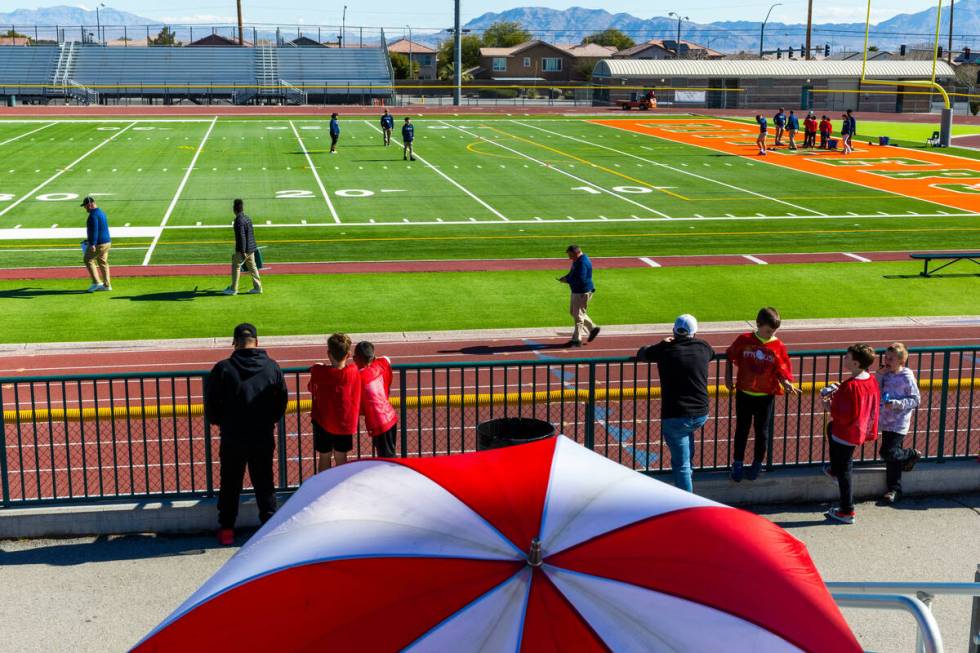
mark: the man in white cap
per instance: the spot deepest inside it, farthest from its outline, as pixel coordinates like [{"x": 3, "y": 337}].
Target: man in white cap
[{"x": 682, "y": 361}]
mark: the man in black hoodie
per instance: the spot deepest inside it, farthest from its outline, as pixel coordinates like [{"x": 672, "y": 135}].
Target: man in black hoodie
[
  {"x": 245, "y": 396},
  {"x": 682, "y": 361}
]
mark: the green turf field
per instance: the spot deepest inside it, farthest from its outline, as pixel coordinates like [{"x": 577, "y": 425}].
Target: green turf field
[
  {"x": 184, "y": 307},
  {"x": 483, "y": 187}
]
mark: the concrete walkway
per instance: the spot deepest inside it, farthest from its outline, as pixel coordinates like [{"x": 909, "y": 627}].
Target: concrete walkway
[{"x": 99, "y": 594}]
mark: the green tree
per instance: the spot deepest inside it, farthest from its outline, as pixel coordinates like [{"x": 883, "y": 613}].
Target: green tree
[
  {"x": 610, "y": 37},
  {"x": 400, "y": 62},
  {"x": 470, "y": 45},
  {"x": 166, "y": 36},
  {"x": 11, "y": 34},
  {"x": 505, "y": 34}
]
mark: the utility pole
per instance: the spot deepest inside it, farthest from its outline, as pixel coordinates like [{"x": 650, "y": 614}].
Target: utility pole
[
  {"x": 809, "y": 27},
  {"x": 343, "y": 27},
  {"x": 458, "y": 57},
  {"x": 411, "y": 71},
  {"x": 949, "y": 53},
  {"x": 679, "y": 19},
  {"x": 98, "y": 23},
  {"x": 241, "y": 33}
]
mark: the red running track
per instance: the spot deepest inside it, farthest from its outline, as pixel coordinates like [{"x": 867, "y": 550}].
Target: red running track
[{"x": 464, "y": 265}]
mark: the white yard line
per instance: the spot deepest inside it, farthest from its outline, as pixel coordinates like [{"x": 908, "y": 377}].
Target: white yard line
[
  {"x": 316, "y": 175},
  {"x": 650, "y": 262},
  {"x": 64, "y": 170},
  {"x": 664, "y": 165},
  {"x": 33, "y": 131},
  {"x": 856, "y": 257},
  {"x": 450, "y": 222},
  {"x": 180, "y": 189},
  {"x": 754, "y": 259},
  {"x": 559, "y": 170},
  {"x": 445, "y": 176}
]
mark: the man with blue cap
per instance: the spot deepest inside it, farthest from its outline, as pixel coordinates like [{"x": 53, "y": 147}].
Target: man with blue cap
[{"x": 682, "y": 361}]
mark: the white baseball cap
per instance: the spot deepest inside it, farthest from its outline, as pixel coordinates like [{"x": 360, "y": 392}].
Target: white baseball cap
[{"x": 685, "y": 325}]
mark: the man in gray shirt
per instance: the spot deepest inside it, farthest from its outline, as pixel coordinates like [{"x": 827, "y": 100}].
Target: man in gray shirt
[{"x": 245, "y": 249}]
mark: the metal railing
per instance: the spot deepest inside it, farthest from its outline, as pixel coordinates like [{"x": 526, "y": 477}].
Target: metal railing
[{"x": 82, "y": 438}]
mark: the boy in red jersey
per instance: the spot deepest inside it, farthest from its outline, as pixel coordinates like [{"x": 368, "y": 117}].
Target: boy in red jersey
[
  {"x": 380, "y": 417},
  {"x": 854, "y": 406},
  {"x": 764, "y": 371},
  {"x": 336, "y": 390}
]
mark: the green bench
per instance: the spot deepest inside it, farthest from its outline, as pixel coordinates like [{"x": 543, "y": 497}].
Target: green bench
[{"x": 949, "y": 257}]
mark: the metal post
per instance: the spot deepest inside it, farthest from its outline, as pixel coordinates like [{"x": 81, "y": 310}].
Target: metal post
[
  {"x": 590, "y": 411},
  {"x": 949, "y": 53},
  {"x": 762, "y": 32},
  {"x": 974, "y": 644},
  {"x": 458, "y": 56},
  {"x": 926, "y": 598},
  {"x": 208, "y": 461},
  {"x": 241, "y": 34},
  {"x": 403, "y": 409},
  {"x": 809, "y": 27},
  {"x": 943, "y": 401},
  {"x": 4, "y": 480}
]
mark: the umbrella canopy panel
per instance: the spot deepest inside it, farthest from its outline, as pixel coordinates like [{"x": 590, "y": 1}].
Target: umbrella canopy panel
[{"x": 544, "y": 546}]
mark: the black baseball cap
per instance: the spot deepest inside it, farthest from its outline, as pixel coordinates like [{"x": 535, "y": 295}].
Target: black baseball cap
[
  {"x": 245, "y": 330},
  {"x": 88, "y": 200}
]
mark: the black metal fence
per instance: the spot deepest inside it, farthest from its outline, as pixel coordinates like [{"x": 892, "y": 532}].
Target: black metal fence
[{"x": 85, "y": 438}]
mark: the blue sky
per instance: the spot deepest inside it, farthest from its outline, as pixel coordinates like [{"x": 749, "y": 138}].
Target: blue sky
[{"x": 429, "y": 13}]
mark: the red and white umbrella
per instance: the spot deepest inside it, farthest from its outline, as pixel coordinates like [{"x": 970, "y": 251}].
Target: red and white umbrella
[{"x": 542, "y": 547}]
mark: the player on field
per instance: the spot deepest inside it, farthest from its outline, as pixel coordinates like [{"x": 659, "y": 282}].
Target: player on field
[
  {"x": 387, "y": 124},
  {"x": 763, "y": 128},
  {"x": 779, "y": 120},
  {"x": 847, "y": 129},
  {"x": 792, "y": 126},
  {"x": 408, "y": 137},
  {"x": 334, "y": 133},
  {"x": 826, "y": 129}
]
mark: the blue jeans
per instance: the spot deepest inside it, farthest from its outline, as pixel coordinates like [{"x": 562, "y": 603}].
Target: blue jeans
[{"x": 679, "y": 434}]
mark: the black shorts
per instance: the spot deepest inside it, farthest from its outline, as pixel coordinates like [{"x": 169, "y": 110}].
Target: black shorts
[{"x": 325, "y": 442}]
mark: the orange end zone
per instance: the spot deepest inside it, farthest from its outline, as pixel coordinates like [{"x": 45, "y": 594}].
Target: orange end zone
[{"x": 944, "y": 179}]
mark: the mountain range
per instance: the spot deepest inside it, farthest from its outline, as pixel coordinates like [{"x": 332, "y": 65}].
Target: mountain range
[{"x": 572, "y": 24}]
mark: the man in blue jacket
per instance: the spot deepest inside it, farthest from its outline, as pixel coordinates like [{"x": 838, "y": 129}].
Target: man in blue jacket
[
  {"x": 334, "y": 133},
  {"x": 387, "y": 124},
  {"x": 792, "y": 126},
  {"x": 779, "y": 120},
  {"x": 408, "y": 138},
  {"x": 97, "y": 246},
  {"x": 579, "y": 279}
]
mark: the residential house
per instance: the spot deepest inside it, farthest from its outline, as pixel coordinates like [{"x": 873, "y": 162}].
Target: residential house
[
  {"x": 668, "y": 49},
  {"x": 421, "y": 55},
  {"x": 537, "y": 61},
  {"x": 217, "y": 40}
]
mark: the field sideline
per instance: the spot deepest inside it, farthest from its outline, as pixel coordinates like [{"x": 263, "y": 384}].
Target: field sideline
[{"x": 481, "y": 188}]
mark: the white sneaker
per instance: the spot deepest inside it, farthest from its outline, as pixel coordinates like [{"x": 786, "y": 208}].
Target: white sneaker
[
  {"x": 229, "y": 291},
  {"x": 254, "y": 291},
  {"x": 95, "y": 287},
  {"x": 101, "y": 288}
]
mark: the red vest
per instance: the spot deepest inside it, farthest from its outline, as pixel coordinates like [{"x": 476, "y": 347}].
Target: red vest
[{"x": 379, "y": 415}]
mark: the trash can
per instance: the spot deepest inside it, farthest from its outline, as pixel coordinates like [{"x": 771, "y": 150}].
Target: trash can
[
  {"x": 11, "y": 100},
  {"x": 508, "y": 431},
  {"x": 884, "y": 140}
]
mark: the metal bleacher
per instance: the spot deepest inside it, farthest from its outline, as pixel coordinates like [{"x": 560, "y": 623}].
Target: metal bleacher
[
  {"x": 25, "y": 72},
  {"x": 91, "y": 73}
]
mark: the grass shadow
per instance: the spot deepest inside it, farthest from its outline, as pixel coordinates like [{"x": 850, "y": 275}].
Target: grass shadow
[
  {"x": 172, "y": 296},
  {"x": 31, "y": 293}
]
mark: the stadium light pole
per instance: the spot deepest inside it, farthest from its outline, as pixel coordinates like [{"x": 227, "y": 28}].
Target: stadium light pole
[
  {"x": 679, "y": 19},
  {"x": 949, "y": 50},
  {"x": 343, "y": 27},
  {"x": 98, "y": 22},
  {"x": 411, "y": 73},
  {"x": 762, "y": 32},
  {"x": 241, "y": 38},
  {"x": 457, "y": 56}
]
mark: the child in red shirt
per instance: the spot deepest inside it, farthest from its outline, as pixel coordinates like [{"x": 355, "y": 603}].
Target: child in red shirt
[
  {"x": 825, "y": 128},
  {"x": 380, "y": 417},
  {"x": 854, "y": 406},
  {"x": 764, "y": 371},
  {"x": 336, "y": 390}
]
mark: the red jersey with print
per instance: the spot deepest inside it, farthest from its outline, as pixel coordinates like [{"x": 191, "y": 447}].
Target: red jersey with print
[
  {"x": 761, "y": 365},
  {"x": 336, "y": 398},
  {"x": 379, "y": 415},
  {"x": 854, "y": 410}
]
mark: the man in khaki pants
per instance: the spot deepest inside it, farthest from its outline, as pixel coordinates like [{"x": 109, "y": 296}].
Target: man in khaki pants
[
  {"x": 97, "y": 246},
  {"x": 245, "y": 249},
  {"x": 579, "y": 279}
]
